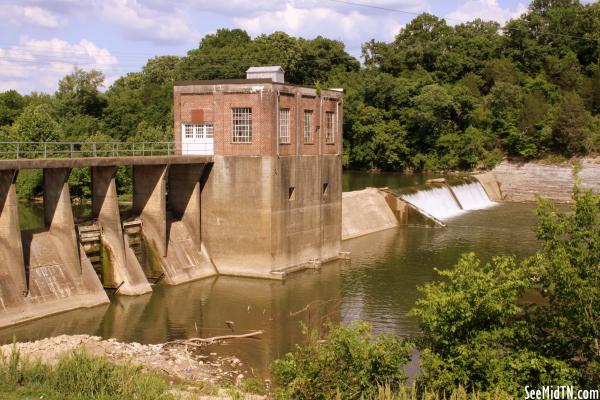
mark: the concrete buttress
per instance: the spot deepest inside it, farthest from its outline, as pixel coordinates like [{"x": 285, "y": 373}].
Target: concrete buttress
[
  {"x": 13, "y": 281},
  {"x": 126, "y": 271},
  {"x": 173, "y": 239},
  {"x": 60, "y": 276}
]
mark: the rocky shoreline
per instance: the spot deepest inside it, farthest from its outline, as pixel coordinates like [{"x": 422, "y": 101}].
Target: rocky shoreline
[{"x": 175, "y": 361}]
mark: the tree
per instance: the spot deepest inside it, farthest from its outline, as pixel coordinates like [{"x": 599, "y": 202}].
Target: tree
[
  {"x": 36, "y": 124},
  {"x": 78, "y": 93},
  {"x": 570, "y": 280},
  {"x": 570, "y": 132},
  {"x": 11, "y": 105}
]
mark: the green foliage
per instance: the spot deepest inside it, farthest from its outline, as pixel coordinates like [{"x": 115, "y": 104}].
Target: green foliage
[
  {"x": 570, "y": 279},
  {"x": 78, "y": 93},
  {"x": 478, "y": 332},
  {"x": 349, "y": 363},
  {"x": 79, "y": 376},
  {"x": 37, "y": 124},
  {"x": 30, "y": 183}
]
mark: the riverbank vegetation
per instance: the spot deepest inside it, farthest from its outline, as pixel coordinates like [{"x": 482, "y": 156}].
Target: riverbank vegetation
[
  {"x": 491, "y": 328},
  {"x": 438, "y": 97},
  {"x": 77, "y": 375}
]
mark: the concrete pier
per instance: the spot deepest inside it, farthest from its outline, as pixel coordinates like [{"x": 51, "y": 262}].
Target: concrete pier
[
  {"x": 173, "y": 238},
  {"x": 13, "y": 281},
  {"x": 126, "y": 272}
]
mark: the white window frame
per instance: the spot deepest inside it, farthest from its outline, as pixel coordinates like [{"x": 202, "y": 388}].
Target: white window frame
[
  {"x": 307, "y": 126},
  {"x": 199, "y": 131},
  {"x": 241, "y": 125},
  {"x": 330, "y": 132},
  {"x": 284, "y": 125}
]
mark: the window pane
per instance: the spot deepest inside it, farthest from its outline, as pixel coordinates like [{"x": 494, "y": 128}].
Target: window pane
[
  {"x": 284, "y": 125},
  {"x": 242, "y": 125},
  {"x": 199, "y": 131},
  {"x": 330, "y": 127},
  {"x": 307, "y": 126},
  {"x": 189, "y": 131}
]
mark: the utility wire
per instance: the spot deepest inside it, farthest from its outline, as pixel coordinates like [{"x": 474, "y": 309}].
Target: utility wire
[{"x": 352, "y": 3}]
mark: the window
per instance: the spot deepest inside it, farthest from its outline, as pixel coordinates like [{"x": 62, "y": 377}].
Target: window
[
  {"x": 242, "y": 125},
  {"x": 308, "y": 126},
  {"x": 330, "y": 127},
  {"x": 198, "y": 131},
  {"x": 284, "y": 125}
]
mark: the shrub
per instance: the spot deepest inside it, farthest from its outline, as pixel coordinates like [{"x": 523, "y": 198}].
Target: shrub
[
  {"x": 78, "y": 375},
  {"x": 350, "y": 363}
]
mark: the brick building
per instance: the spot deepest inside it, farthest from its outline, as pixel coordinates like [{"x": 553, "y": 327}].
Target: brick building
[{"x": 272, "y": 201}]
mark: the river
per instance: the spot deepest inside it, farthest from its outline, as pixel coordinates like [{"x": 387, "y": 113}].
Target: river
[{"x": 378, "y": 285}]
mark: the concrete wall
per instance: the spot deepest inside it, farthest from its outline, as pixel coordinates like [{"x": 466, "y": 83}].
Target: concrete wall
[
  {"x": 365, "y": 211},
  {"x": 254, "y": 224},
  {"x": 523, "y": 182}
]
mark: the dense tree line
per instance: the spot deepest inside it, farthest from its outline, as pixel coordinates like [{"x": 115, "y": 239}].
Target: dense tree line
[{"x": 438, "y": 97}]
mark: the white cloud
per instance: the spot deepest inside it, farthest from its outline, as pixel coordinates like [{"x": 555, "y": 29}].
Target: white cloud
[
  {"x": 146, "y": 23},
  {"x": 488, "y": 10},
  {"x": 38, "y": 65},
  {"x": 29, "y": 15},
  {"x": 353, "y": 25}
]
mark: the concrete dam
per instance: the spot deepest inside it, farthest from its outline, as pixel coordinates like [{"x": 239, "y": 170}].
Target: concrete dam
[{"x": 375, "y": 209}]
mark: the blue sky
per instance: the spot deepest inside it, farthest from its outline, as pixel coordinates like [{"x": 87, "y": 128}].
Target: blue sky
[{"x": 43, "y": 40}]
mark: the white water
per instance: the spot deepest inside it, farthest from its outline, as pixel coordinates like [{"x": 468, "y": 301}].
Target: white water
[
  {"x": 442, "y": 204},
  {"x": 472, "y": 196},
  {"x": 437, "y": 202}
]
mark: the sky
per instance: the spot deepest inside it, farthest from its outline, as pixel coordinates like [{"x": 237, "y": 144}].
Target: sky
[{"x": 43, "y": 40}]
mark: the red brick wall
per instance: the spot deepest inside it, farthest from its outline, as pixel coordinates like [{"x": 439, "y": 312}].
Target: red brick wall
[{"x": 216, "y": 104}]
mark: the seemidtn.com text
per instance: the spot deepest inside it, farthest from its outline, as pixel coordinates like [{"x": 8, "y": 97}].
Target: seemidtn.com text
[{"x": 561, "y": 392}]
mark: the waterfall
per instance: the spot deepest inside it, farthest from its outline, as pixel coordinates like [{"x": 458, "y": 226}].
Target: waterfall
[
  {"x": 446, "y": 202},
  {"x": 472, "y": 196},
  {"x": 438, "y": 202}
]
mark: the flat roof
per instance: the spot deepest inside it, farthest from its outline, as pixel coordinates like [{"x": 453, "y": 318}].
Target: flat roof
[{"x": 245, "y": 82}]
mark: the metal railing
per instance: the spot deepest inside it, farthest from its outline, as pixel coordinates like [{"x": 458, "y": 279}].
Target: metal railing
[{"x": 32, "y": 150}]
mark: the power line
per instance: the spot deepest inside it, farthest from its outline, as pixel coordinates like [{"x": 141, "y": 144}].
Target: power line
[{"x": 352, "y": 3}]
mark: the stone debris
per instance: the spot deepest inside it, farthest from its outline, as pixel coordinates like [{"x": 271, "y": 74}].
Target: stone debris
[{"x": 176, "y": 362}]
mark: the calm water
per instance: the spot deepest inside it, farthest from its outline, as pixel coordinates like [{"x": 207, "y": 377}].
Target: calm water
[{"x": 378, "y": 285}]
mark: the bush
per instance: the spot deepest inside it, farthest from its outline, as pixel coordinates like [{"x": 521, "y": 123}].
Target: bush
[{"x": 350, "y": 363}]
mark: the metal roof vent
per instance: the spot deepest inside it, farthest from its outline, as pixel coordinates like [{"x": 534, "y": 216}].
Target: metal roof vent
[{"x": 275, "y": 73}]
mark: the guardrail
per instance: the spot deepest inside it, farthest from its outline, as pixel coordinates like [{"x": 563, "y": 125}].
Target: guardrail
[{"x": 32, "y": 150}]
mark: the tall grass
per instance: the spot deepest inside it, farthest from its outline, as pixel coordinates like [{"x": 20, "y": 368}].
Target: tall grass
[{"x": 78, "y": 375}]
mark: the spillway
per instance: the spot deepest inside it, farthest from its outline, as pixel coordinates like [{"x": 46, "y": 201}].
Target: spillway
[
  {"x": 472, "y": 196},
  {"x": 445, "y": 202},
  {"x": 438, "y": 202}
]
